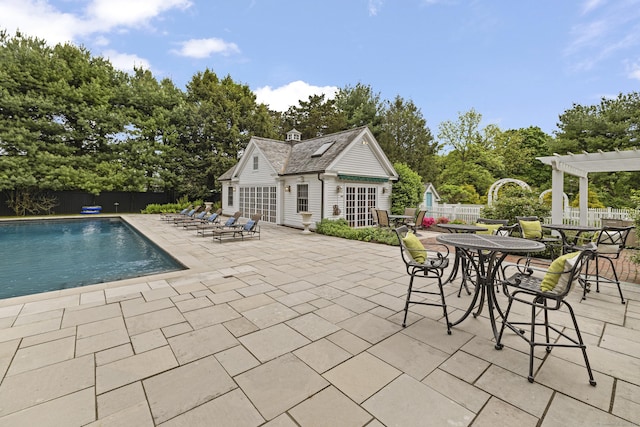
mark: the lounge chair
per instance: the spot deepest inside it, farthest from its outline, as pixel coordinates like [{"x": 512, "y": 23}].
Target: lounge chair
[
  {"x": 207, "y": 228},
  {"x": 195, "y": 218},
  {"x": 179, "y": 218},
  {"x": 248, "y": 229},
  {"x": 171, "y": 216},
  {"x": 214, "y": 218}
]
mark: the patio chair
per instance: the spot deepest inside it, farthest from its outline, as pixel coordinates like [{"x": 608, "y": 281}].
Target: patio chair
[
  {"x": 170, "y": 216},
  {"x": 546, "y": 293},
  {"x": 248, "y": 229},
  {"x": 383, "y": 218},
  {"x": 207, "y": 228},
  {"x": 608, "y": 244},
  {"x": 420, "y": 263},
  {"x": 530, "y": 227},
  {"x": 374, "y": 215},
  {"x": 187, "y": 216},
  {"x": 498, "y": 227},
  {"x": 417, "y": 221},
  {"x": 410, "y": 212}
]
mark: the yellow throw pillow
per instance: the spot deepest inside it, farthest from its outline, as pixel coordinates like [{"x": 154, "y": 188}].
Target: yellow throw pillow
[
  {"x": 531, "y": 229},
  {"x": 416, "y": 249},
  {"x": 555, "y": 281},
  {"x": 491, "y": 228}
]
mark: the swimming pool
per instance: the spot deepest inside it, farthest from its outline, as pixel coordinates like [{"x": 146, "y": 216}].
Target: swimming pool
[{"x": 45, "y": 255}]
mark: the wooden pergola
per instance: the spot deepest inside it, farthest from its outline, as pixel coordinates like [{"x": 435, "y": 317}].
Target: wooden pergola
[{"x": 581, "y": 165}]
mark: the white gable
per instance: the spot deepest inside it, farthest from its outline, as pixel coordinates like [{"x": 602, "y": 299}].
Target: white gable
[
  {"x": 361, "y": 159},
  {"x": 254, "y": 169}
]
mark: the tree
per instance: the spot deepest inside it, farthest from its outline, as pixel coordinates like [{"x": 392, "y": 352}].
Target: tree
[
  {"x": 407, "y": 191},
  {"x": 404, "y": 130},
  {"x": 518, "y": 149},
  {"x": 466, "y": 193},
  {"x": 314, "y": 118},
  {"x": 516, "y": 201},
  {"x": 361, "y": 107}
]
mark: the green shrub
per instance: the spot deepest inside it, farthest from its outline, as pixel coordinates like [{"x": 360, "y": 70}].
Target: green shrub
[
  {"x": 155, "y": 208},
  {"x": 341, "y": 228}
]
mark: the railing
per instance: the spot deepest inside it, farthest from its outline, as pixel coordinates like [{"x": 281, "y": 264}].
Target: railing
[{"x": 470, "y": 213}]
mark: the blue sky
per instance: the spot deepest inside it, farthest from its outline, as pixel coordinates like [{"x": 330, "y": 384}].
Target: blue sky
[{"x": 518, "y": 63}]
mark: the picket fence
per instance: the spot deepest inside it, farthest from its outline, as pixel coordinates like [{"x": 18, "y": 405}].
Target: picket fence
[{"x": 470, "y": 213}]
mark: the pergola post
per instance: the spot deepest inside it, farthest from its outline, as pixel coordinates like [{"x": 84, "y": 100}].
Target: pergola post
[
  {"x": 557, "y": 190},
  {"x": 584, "y": 200}
]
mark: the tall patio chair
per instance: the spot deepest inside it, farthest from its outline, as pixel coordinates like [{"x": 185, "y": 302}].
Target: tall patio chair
[
  {"x": 410, "y": 212},
  {"x": 530, "y": 227},
  {"x": 544, "y": 291},
  {"x": 608, "y": 244},
  {"x": 420, "y": 263},
  {"x": 498, "y": 227}
]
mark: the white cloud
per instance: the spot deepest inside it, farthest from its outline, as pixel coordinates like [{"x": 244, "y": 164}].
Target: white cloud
[
  {"x": 283, "y": 97},
  {"x": 125, "y": 61},
  {"x": 374, "y": 6},
  {"x": 203, "y": 48},
  {"x": 41, "y": 19},
  {"x": 633, "y": 71},
  {"x": 590, "y": 5},
  {"x": 38, "y": 19}
]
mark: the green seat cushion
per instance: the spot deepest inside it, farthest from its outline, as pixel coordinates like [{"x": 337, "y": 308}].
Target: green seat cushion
[
  {"x": 531, "y": 229},
  {"x": 556, "y": 279},
  {"x": 415, "y": 247},
  {"x": 491, "y": 228}
]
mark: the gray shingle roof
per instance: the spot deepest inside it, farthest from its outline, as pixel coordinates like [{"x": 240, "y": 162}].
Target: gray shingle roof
[{"x": 288, "y": 159}]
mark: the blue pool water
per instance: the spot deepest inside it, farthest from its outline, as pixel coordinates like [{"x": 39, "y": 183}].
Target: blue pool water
[{"x": 45, "y": 255}]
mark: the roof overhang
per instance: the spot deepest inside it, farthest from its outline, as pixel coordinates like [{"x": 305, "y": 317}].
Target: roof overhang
[
  {"x": 362, "y": 178},
  {"x": 585, "y": 163}
]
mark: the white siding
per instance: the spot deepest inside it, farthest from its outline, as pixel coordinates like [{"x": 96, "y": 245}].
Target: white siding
[
  {"x": 359, "y": 160},
  {"x": 290, "y": 215},
  {"x": 264, "y": 175}
]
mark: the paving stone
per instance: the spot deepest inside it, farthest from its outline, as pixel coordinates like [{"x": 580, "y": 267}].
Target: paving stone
[
  {"x": 269, "y": 315},
  {"x": 154, "y": 320},
  {"x": 223, "y": 297},
  {"x": 100, "y": 327},
  {"x": 369, "y": 327},
  {"x": 457, "y": 390},
  {"x": 28, "y": 388},
  {"x": 390, "y": 405},
  {"x": 193, "y": 304},
  {"x": 201, "y": 343},
  {"x": 38, "y": 317},
  {"x": 267, "y": 344},
  {"x": 465, "y": 366},
  {"x": 312, "y": 326},
  {"x": 159, "y": 293},
  {"x": 40, "y": 355},
  {"x": 113, "y": 354},
  {"x": 48, "y": 336},
  {"x": 361, "y": 376},
  {"x": 322, "y": 355},
  {"x": 148, "y": 341},
  {"x": 329, "y": 408},
  {"x": 237, "y": 360},
  {"x": 75, "y": 409},
  {"x": 177, "y": 329},
  {"x": 101, "y": 342},
  {"x": 532, "y": 398},
  {"x": 231, "y": 409},
  {"x": 349, "y": 342},
  {"x": 137, "y": 415},
  {"x": 95, "y": 297},
  {"x": 435, "y": 334},
  {"x": 626, "y": 403},
  {"x": 134, "y": 368},
  {"x": 280, "y": 384},
  {"x": 138, "y": 306},
  {"x": 335, "y": 313},
  {"x": 185, "y": 387},
  {"x": 120, "y": 399},
  {"x": 211, "y": 316},
  {"x": 29, "y": 329},
  {"x": 92, "y": 314},
  {"x": 7, "y": 351},
  {"x": 240, "y": 327},
  {"x": 50, "y": 304},
  {"x": 565, "y": 411},
  {"x": 497, "y": 411},
  {"x": 409, "y": 355},
  {"x": 249, "y": 303}
]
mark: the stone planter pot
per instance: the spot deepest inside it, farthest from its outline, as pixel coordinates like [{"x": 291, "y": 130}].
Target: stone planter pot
[{"x": 306, "y": 221}]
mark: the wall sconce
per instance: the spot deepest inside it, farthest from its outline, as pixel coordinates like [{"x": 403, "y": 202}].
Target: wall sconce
[
  {"x": 384, "y": 190},
  {"x": 338, "y": 189},
  {"x": 287, "y": 188}
]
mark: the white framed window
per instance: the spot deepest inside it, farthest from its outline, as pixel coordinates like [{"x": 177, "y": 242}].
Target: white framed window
[
  {"x": 230, "y": 196},
  {"x": 255, "y": 163},
  {"x": 302, "y": 198}
]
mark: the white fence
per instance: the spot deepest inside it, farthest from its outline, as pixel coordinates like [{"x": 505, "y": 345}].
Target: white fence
[{"x": 470, "y": 213}]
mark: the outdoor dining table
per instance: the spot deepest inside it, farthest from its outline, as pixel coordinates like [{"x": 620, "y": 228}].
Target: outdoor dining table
[
  {"x": 568, "y": 242},
  {"x": 460, "y": 228},
  {"x": 400, "y": 219},
  {"x": 485, "y": 253}
]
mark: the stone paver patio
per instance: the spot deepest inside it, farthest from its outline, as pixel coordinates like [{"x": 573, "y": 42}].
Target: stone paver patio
[{"x": 297, "y": 330}]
